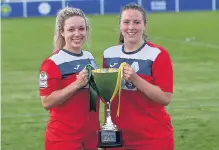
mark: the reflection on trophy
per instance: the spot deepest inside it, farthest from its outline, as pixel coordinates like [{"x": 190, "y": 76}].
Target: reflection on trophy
[
  {"x": 107, "y": 83},
  {"x": 109, "y": 135}
]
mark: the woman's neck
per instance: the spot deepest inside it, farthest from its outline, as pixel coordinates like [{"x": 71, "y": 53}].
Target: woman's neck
[
  {"x": 73, "y": 50},
  {"x": 130, "y": 47}
]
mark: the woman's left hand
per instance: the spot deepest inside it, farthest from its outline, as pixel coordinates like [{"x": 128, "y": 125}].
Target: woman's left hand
[{"x": 129, "y": 73}]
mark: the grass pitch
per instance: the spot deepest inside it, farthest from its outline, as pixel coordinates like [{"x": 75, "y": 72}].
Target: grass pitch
[{"x": 192, "y": 39}]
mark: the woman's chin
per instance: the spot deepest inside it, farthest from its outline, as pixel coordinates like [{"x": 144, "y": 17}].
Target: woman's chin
[{"x": 76, "y": 45}]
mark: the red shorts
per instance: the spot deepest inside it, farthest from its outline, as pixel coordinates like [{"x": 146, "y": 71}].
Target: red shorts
[
  {"x": 88, "y": 144},
  {"x": 167, "y": 144}
]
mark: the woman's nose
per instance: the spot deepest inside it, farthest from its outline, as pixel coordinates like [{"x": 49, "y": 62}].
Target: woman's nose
[
  {"x": 131, "y": 26},
  {"x": 77, "y": 32}
]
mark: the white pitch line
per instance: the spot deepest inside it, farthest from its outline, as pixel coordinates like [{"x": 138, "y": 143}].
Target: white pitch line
[
  {"x": 23, "y": 115},
  {"x": 204, "y": 117},
  {"x": 195, "y": 43},
  {"x": 47, "y": 115},
  {"x": 192, "y": 106},
  {"x": 172, "y": 116}
]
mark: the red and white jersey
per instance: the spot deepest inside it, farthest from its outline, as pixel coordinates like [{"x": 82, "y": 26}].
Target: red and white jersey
[
  {"x": 68, "y": 121},
  {"x": 142, "y": 118}
]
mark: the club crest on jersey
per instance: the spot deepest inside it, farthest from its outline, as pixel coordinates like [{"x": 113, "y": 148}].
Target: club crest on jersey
[{"x": 43, "y": 80}]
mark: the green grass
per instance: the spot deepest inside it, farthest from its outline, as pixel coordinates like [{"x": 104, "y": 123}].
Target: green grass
[{"x": 194, "y": 110}]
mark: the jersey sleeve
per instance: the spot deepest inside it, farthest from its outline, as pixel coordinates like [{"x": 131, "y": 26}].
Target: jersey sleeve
[
  {"x": 49, "y": 78},
  {"x": 162, "y": 72}
]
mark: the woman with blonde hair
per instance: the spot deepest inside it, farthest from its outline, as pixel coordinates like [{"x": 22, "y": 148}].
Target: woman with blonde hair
[{"x": 62, "y": 85}]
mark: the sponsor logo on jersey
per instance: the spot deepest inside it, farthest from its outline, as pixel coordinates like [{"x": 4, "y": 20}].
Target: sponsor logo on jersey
[
  {"x": 77, "y": 67},
  {"x": 113, "y": 65}
]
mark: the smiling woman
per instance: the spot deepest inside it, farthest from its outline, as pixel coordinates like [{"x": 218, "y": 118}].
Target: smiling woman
[
  {"x": 74, "y": 33},
  {"x": 62, "y": 85},
  {"x": 71, "y": 30},
  {"x": 148, "y": 85}
]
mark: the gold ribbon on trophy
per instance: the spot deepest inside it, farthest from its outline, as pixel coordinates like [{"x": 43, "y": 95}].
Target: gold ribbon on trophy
[{"x": 118, "y": 87}]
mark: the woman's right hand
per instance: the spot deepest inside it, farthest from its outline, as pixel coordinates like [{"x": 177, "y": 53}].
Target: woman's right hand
[{"x": 82, "y": 78}]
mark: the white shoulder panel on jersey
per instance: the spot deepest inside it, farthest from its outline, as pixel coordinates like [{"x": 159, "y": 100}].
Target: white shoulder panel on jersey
[
  {"x": 62, "y": 57},
  {"x": 148, "y": 52},
  {"x": 145, "y": 53},
  {"x": 88, "y": 54},
  {"x": 113, "y": 51}
]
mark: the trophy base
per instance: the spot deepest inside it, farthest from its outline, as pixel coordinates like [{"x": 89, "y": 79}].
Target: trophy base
[{"x": 109, "y": 138}]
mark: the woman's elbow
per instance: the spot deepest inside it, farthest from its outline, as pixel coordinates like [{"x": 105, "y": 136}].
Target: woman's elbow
[
  {"x": 168, "y": 99},
  {"x": 45, "y": 104},
  {"x": 166, "y": 103}
]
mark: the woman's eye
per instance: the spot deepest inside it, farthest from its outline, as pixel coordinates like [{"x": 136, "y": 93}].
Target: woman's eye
[
  {"x": 70, "y": 30},
  {"x": 82, "y": 29}
]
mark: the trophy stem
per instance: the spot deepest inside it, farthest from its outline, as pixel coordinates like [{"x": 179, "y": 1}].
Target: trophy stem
[
  {"x": 108, "y": 114},
  {"x": 109, "y": 125},
  {"x": 109, "y": 136}
]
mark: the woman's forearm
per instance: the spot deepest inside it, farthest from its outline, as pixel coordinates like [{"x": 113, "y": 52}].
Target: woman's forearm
[
  {"x": 60, "y": 96},
  {"x": 152, "y": 92}
]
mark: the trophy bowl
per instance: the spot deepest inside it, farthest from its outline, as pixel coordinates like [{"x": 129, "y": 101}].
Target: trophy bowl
[{"x": 106, "y": 80}]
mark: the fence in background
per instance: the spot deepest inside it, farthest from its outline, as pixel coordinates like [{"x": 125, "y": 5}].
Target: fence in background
[{"x": 36, "y": 8}]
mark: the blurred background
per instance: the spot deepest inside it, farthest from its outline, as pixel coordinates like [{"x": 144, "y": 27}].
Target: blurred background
[{"x": 188, "y": 29}]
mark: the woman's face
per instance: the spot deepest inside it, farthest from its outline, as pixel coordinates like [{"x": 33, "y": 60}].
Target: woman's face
[
  {"x": 132, "y": 25},
  {"x": 75, "y": 32}
]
